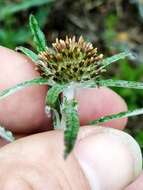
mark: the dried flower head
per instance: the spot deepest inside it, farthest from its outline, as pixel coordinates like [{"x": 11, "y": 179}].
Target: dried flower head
[{"x": 70, "y": 60}]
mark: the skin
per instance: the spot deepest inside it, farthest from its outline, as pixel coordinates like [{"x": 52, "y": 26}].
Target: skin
[{"x": 38, "y": 156}]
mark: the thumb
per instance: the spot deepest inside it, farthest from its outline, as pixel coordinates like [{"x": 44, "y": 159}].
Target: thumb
[
  {"x": 103, "y": 159},
  {"x": 137, "y": 184},
  {"x": 110, "y": 159}
]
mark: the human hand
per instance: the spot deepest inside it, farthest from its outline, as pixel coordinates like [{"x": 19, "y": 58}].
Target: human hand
[{"x": 36, "y": 162}]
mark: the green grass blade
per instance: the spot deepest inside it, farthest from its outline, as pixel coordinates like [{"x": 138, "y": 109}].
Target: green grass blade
[
  {"x": 12, "y": 90},
  {"x": 33, "y": 56},
  {"x": 72, "y": 126},
  {"x": 53, "y": 94},
  {"x": 38, "y": 35},
  {"x": 121, "y": 83},
  {"x": 107, "y": 61},
  {"x": 7, "y": 135},
  {"x": 120, "y": 115}
]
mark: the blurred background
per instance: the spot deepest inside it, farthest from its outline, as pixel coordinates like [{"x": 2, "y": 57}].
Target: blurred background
[{"x": 111, "y": 25}]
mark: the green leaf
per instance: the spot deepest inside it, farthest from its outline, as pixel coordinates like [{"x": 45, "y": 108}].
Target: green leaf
[
  {"x": 39, "y": 37},
  {"x": 113, "y": 83},
  {"x": 107, "y": 61},
  {"x": 12, "y": 90},
  {"x": 120, "y": 115},
  {"x": 33, "y": 56},
  {"x": 72, "y": 126},
  {"x": 121, "y": 83},
  {"x": 7, "y": 135},
  {"x": 53, "y": 94}
]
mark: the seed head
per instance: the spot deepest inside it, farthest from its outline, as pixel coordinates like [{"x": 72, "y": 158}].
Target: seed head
[{"x": 70, "y": 60}]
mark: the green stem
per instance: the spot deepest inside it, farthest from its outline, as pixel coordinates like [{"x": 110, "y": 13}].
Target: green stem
[
  {"x": 54, "y": 113},
  {"x": 68, "y": 95},
  {"x": 70, "y": 119}
]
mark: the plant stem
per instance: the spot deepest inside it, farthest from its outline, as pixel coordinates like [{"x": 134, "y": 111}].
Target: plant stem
[{"x": 68, "y": 95}]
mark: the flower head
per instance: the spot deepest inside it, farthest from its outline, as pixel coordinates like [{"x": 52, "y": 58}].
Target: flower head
[{"x": 70, "y": 60}]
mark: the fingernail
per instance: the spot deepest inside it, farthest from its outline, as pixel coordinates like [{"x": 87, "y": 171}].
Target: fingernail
[{"x": 109, "y": 158}]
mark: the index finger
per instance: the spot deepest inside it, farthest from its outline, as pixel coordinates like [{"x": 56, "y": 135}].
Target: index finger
[{"x": 24, "y": 111}]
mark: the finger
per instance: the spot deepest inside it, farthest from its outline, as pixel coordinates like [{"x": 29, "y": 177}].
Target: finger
[
  {"x": 84, "y": 169},
  {"x": 137, "y": 185},
  {"x": 16, "y": 183},
  {"x": 4, "y": 142},
  {"x": 24, "y": 111},
  {"x": 95, "y": 103}
]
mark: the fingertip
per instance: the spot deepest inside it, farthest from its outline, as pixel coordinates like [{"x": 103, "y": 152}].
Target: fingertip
[
  {"x": 98, "y": 102},
  {"x": 101, "y": 149},
  {"x": 24, "y": 111}
]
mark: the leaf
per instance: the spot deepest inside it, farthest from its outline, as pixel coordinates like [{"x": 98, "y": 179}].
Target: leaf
[
  {"x": 72, "y": 126},
  {"x": 107, "y": 61},
  {"x": 112, "y": 83},
  {"x": 120, "y": 115},
  {"x": 121, "y": 83},
  {"x": 53, "y": 94},
  {"x": 12, "y": 90},
  {"x": 7, "y": 135},
  {"x": 28, "y": 53},
  {"x": 12, "y": 8},
  {"x": 39, "y": 37}
]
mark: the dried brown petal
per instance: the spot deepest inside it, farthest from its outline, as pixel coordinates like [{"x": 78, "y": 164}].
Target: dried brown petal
[{"x": 70, "y": 60}]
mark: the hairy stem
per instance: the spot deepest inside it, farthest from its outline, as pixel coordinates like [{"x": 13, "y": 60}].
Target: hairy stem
[{"x": 68, "y": 95}]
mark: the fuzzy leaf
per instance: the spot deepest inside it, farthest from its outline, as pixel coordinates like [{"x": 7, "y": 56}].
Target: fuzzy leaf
[
  {"x": 33, "y": 56},
  {"x": 20, "y": 86},
  {"x": 39, "y": 37},
  {"x": 107, "y": 61},
  {"x": 7, "y": 135},
  {"x": 53, "y": 94},
  {"x": 121, "y": 83},
  {"x": 120, "y": 115},
  {"x": 113, "y": 83},
  {"x": 72, "y": 126}
]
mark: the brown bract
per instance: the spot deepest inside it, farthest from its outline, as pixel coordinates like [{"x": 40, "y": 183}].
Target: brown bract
[{"x": 70, "y": 60}]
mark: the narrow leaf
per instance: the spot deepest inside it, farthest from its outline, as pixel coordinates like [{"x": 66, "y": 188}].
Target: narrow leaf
[
  {"x": 36, "y": 81},
  {"x": 7, "y": 135},
  {"x": 72, "y": 126},
  {"x": 53, "y": 94},
  {"x": 113, "y": 83},
  {"x": 107, "y": 61},
  {"x": 28, "y": 53},
  {"x": 39, "y": 37},
  {"x": 121, "y": 83},
  {"x": 120, "y": 115}
]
